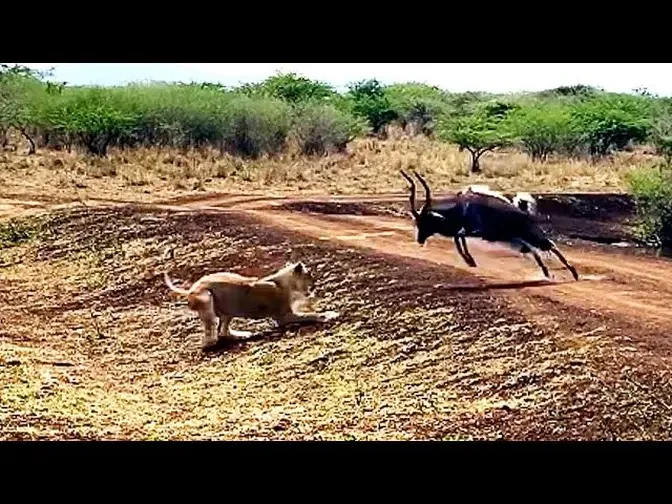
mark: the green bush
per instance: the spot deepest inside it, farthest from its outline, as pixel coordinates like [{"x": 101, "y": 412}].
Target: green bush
[
  {"x": 289, "y": 87},
  {"x": 417, "y": 104},
  {"x": 252, "y": 127},
  {"x": 542, "y": 130},
  {"x": 652, "y": 191},
  {"x": 94, "y": 116},
  {"x": 22, "y": 101},
  {"x": 608, "y": 123},
  {"x": 370, "y": 102},
  {"x": 256, "y": 119},
  {"x": 320, "y": 128},
  {"x": 661, "y": 130},
  {"x": 17, "y": 231}
]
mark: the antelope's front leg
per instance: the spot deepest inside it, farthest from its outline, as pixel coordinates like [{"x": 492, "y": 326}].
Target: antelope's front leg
[{"x": 459, "y": 246}]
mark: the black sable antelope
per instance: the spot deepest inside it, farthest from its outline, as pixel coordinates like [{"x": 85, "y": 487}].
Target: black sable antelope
[{"x": 481, "y": 216}]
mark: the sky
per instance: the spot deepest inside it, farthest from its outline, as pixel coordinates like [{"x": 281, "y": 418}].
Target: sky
[{"x": 454, "y": 77}]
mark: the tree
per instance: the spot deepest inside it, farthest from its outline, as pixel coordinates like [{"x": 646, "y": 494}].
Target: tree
[
  {"x": 652, "y": 192},
  {"x": 22, "y": 96},
  {"x": 320, "y": 127},
  {"x": 92, "y": 116},
  {"x": 289, "y": 87},
  {"x": 609, "y": 123},
  {"x": 661, "y": 131},
  {"x": 542, "y": 130},
  {"x": 370, "y": 102},
  {"x": 477, "y": 134},
  {"x": 417, "y": 104}
]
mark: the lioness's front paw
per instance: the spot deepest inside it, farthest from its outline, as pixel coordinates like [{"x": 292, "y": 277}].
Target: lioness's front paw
[
  {"x": 330, "y": 315},
  {"x": 209, "y": 345}
]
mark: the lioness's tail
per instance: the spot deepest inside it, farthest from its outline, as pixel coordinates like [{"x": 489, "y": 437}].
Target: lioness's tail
[{"x": 172, "y": 287}]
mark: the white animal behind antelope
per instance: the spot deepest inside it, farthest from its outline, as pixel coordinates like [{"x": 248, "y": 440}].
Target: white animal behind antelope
[{"x": 522, "y": 200}]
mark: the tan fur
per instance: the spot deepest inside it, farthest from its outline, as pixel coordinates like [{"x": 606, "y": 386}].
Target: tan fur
[{"x": 223, "y": 296}]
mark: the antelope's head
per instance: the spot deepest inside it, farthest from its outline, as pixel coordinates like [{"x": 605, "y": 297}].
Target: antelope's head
[{"x": 426, "y": 220}]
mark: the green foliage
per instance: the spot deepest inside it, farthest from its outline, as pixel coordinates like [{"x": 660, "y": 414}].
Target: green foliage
[
  {"x": 370, "y": 102},
  {"x": 95, "y": 116},
  {"x": 652, "y": 190},
  {"x": 289, "y": 87},
  {"x": 22, "y": 100},
  {"x": 256, "y": 119},
  {"x": 542, "y": 130},
  {"x": 477, "y": 133},
  {"x": 255, "y": 127},
  {"x": 578, "y": 91},
  {"x": 465, "y": 104},
  {"x": 17, "y": 231},
  {"x": 661, "y": 130},
  {"x": 418, "y": 104},
  {"x": 320, "y": 128},
  {"x": 607, "y": 123}
]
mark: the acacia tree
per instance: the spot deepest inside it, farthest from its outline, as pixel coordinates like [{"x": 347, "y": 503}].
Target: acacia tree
[
  {"x": 477, "y": 134},
  {"x": 22, "y": 95}
]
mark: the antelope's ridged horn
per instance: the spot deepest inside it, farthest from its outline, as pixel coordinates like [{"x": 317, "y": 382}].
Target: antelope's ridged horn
[
  {"x": 412, "y": 195},
  {"x": 428, "y": 194}
]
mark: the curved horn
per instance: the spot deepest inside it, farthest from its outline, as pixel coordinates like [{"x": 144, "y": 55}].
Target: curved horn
[
  {"x": 412, "y": 195},
  {"x": 428, "y": 194}
]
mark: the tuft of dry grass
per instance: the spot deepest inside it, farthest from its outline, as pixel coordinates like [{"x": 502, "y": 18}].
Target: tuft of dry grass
[{"x": 369, "y": 166}]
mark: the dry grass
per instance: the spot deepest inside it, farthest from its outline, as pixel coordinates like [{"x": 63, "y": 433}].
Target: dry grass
[
  {"x": 91, "y": 346},
  {"x": 370, "y": 166}
]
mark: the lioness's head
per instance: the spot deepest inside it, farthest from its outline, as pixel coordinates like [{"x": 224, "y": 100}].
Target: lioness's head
[{"x": 301, "y": 278}]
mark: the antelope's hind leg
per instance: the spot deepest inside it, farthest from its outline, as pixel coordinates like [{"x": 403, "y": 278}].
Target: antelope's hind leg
[
  {"x": 527, "y": 248},
  {"x": 564, "y": 261}
]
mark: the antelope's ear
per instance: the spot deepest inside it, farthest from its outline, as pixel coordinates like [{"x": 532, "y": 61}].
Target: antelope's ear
[
  {"x": 437, "y": 215},
  {"x": 299, "y": 268}
]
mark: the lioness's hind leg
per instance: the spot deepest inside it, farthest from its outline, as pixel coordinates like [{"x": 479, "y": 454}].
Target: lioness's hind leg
[
  {"x": 206, "y": 312},
  {"x": 225, "y": 332},
  {"x": 223, "y": 327}
]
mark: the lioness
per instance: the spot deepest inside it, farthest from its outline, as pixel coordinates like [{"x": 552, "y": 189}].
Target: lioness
[{"x": 228, "y": 295}]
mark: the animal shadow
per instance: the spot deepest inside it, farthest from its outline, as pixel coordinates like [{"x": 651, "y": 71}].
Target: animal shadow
[
  {"x": 485, "y": 286},
  {"x": 266, "y": 335}
]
